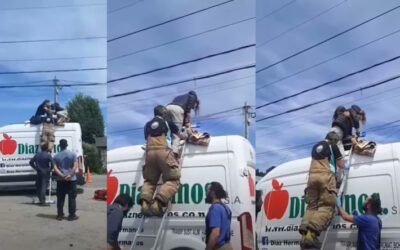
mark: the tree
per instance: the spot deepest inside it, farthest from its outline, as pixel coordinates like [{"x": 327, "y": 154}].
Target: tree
[
  {"x": 92, "y": 159},
  {"x": 85, "y": 110}
]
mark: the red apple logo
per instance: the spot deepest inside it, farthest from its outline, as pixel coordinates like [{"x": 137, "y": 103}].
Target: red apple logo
[
  {"x": 112, "y": 187},
  {"x": 7, "y": 146},
  {"x": 276, "y": 201},
  {"x": 251, "y": 186}
]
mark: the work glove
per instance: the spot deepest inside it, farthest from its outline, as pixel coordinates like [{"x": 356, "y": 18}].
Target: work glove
[
  {"x": 354, "y": 213},
  {"x": 339, "y": 201},
  {"x": 346, "y": 166}
]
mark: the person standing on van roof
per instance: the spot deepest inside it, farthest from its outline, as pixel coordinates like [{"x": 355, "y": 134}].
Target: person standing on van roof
[
  {"x": 369, "y": 224},
  {"x": 320, "y": 194},
  {"x": 115, "y": 214},
  {"x": 218, "y": 220},
  {"x": 42, "y": 162},
  {"x": 159, "y": 160},
  {"x": 65, "y": 166},
  {"x": 344, "y": 120},
  {"x": 180, "y": 109}
]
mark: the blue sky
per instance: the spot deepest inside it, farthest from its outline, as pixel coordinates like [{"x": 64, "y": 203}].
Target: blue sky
[
  {"x": 49, "y": 19},
  {"x": 290, "y": 26},
  {"x": 216, "y": 94}
]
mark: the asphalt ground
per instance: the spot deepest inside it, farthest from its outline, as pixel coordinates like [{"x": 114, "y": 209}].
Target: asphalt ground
[{"x": 25, "y": 225}]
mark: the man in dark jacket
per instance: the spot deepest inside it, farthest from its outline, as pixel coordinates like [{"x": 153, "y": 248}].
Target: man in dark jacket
[
  {"x": 115, "y": 214},
  {"x": 344, "y": 120},
  {"x": 180, "y": 109},
  {"x": 42, "y": 162}
]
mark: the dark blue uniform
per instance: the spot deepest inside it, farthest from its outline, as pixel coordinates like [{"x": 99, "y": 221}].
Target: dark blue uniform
[{"x": 42, "y": 163}]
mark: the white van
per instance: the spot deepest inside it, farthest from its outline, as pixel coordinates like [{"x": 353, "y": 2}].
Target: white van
[
  {"x": 227, "y": 159},
  {"x": 283, "y": 205},
  {"x": 20, "y": 142}
]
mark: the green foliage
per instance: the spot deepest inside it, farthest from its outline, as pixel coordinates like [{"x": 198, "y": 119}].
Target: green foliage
[
  {"x": 92, "y": 159},
  {"x": 85, "y": 110}
]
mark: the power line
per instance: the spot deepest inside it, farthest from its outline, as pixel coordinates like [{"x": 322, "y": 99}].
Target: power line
[
  {"x": 329, "y": 82},
  {"x": 124, "y": 7},
  {"x": 51, "y": 59},
  {"x": 168, "y": 21},
  {"x": 329, "y": 59},
  {"x": 331, "y": 98},
  {"x": 328, "y": 39},
  {"x": 182, "y": 92},
  {"x": 299, "y": 25},
  {"x": 48, "y": 71},
  {"x": 379, "y": 127},
  {"x": 100, "y": 83},
  {"x": 49, "y": 85},
  {"x": 53, "y": 7},
  {"x": 180, "y": 39},
  {"x": 183, "y": 81},
  {"x": 183, "y": 63},
  {"x": 275, "y": 11},
  {"x": 54, "y": 39},
  {"x": 205, "y": 117}
]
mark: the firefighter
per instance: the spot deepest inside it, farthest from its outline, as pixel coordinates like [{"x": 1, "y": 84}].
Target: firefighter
[
  {"x": 160, "y": 161},
  {"x": 320, "y": 194},
  {"x": 180, "y": 109},
  {"x": 344, "y": 120},
  {"x": 47, "y": 137}
]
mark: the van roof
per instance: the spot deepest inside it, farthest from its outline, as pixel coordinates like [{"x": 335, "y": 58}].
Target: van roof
[
  {"x": 217, "y": 144},
  {"x": 383, "y": 152},
  {"x": 31, "y": 127}
]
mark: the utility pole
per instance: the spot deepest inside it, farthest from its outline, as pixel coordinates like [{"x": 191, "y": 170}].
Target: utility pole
[
  {"x": 56, "y": 88},
  {"x": 247, "y": 118}
]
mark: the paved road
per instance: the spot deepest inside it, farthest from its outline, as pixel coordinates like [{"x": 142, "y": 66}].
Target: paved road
[{"x": 24, "y": 225}]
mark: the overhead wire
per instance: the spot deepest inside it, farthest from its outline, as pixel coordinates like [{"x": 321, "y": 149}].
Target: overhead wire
[
  {"x": 51, "y": 59},
  {"x": 330, "y": 82},
  {"x": 327, "y": 60},
  {"x": 183, "y": 81},
  {"x": 49, "y": 71},
  {"x": 124, "y": 7},
  {"x": 53, "y": 40},
  {"x": 300, "y": 24},
  {"x": 276, "y": 10},
  {"x": 327, "y": 39},
  {"x": 182, "y": 63},
  {"x": 331, "y": 98},
  {"x": 179, "y": 39},
  {"x": 168, "y": 21},
  {"x": 53, "y": 7}
]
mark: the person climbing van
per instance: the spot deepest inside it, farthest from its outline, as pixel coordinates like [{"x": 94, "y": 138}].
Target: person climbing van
[
  {"x": 180, "y": 109},
  {"x": 320, "y": 193},
  {"x": 159, "y": 160},
  {"x": 344, "y": 120},
  {"x": 43, "y": 111}
]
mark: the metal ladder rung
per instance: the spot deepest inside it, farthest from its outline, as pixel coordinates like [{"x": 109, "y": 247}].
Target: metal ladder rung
[{"x": 147, "y": 235}]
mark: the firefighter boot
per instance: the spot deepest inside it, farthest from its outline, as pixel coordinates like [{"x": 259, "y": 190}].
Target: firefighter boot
[
  {"x": 157, "y": 208},
  {"x": 146, "y": 211},
  {"x": 310, "y": 240}
]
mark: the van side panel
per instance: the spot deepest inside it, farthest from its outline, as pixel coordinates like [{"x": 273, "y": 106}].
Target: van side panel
[{"x": 284, "y": 207}]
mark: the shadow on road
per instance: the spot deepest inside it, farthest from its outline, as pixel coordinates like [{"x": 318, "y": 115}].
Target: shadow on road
[{"x": 47, "y": 216}]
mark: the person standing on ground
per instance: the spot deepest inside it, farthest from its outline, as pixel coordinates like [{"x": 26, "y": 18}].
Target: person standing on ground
[
  {"x": 218, "y": 220},
  {"x": 115, "y": 214},
  {"x": 320, "y": 193},
  {"x": 369, "y": 224},
  {"x": 65, "y": 166},
  {"x": 180, "y": 109},
  {"x": 42, "y": 162}
]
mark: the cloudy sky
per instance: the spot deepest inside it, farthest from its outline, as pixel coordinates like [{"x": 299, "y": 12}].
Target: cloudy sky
[
  {"x": 210, "y": 27},
  {"x": 22, "y": 24},
  {"x": 287, "y": 27}
]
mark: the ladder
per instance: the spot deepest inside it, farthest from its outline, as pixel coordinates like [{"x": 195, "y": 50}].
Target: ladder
[
  {"x": 339, "y": 193},
  {"x": 160, "y": 230}
]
